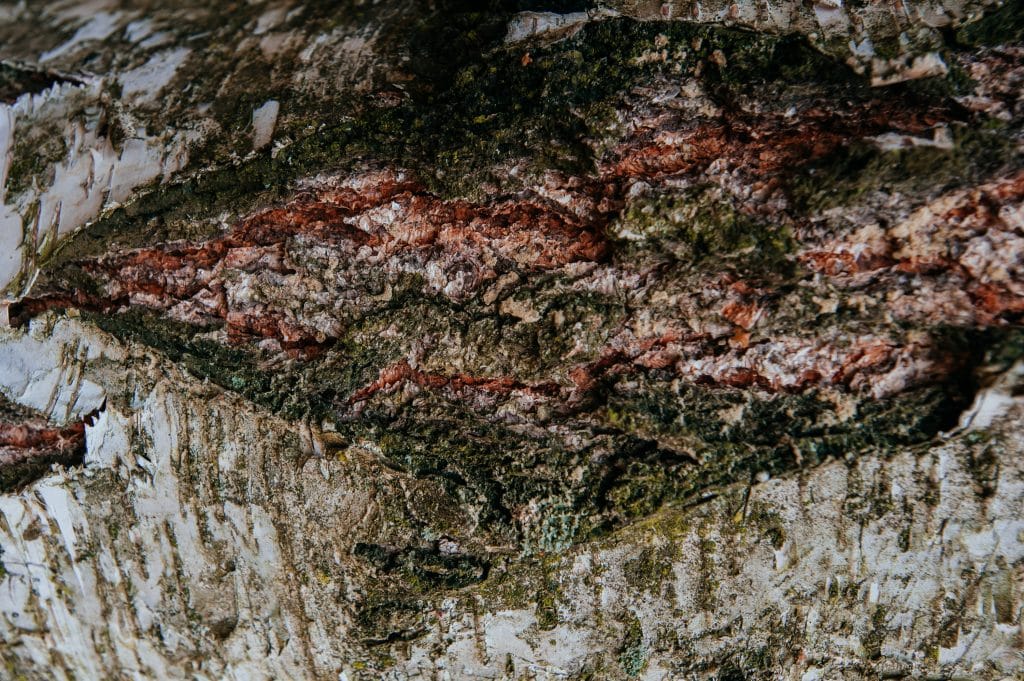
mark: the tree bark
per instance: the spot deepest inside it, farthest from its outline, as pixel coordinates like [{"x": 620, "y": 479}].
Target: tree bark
[{"x": 511, "y": 340}]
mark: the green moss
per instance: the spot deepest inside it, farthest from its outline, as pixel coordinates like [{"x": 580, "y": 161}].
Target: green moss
[
  {"x": 753, "y": 58},
  {"x": 678, "y": 444},
  {"x": 1002, "y": 348},
  {"x": 852, "y": 174},
  {"x": 499, "y": 111},
  {"x": 876, "y": 636},
  {"x": 769, "y": 523},
  {"x": 696, "y": 226},
  {"x": 633, "y": 654},
  {"x": 390, "y": 616},
  {"x": 546, "y": 610},
  {"x": 33, "y": 155},
  {"x": 707, "y": 586},
  {"x": 649, "y": 571},
  {"x": 423, "y": 569},
  {"x": 1004, "y": 26},
  {"x": 232, "y": 368}
]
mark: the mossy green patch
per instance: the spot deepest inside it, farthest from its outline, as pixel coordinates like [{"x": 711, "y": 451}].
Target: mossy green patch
[
  {"x": 32, "y": 156},
  {"x": 424, "y": 569},
  {"x": 1004, "y": 26},
  {"x": 698, "y": 226},
  {"x": 854, "y": 173},
  {"x": 633, "y": 654},
  {"x": 650, "y": 570}
]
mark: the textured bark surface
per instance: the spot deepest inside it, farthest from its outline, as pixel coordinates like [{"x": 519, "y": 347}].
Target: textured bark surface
[{"x": 518, "y": 340}]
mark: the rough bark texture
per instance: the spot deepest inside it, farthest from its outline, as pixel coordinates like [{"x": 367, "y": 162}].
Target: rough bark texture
[{"x": 519, "y": 340}]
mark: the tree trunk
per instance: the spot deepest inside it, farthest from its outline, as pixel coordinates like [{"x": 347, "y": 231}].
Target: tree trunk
[{"x": 520, "y": 340}]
